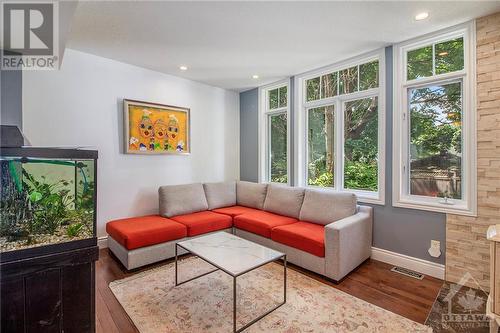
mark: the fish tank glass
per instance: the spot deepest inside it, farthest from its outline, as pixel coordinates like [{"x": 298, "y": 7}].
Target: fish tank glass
[{"x": 45, "y": 201}]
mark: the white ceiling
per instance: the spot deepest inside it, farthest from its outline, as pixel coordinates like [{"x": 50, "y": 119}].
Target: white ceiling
[{"x": 225, "y": 43}]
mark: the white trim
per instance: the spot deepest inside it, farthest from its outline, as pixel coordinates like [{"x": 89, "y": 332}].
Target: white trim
[
  {"x": 102, "y": 242},
  {"x": 400, "y": 193},
  {"x": 263, "y": 135},
  {"x": 419, "y": 265},
  {"x": 301, "y": 105}
]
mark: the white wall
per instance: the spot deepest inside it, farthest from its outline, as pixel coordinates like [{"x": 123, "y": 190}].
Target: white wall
[{"x": 81, "y": 105}]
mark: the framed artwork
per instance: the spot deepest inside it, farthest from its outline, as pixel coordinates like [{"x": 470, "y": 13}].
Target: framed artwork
[{"x": 151, "y": 128}]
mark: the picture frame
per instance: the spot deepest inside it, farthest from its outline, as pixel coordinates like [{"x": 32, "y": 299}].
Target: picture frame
[{"x": 155, "y": 129}]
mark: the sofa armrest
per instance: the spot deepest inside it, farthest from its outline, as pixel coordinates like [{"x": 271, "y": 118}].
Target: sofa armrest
[{"x": 348, "y": 243}]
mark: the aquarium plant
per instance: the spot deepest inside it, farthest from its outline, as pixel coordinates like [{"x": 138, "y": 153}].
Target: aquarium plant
[{"x": 36, "y": 210}]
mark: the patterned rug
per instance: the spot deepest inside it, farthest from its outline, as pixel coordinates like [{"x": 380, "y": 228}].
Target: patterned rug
[{"x": 205, "y": 305}]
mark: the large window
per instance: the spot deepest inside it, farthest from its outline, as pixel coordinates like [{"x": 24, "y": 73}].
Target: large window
[
  {"x": 274, "y": 139},
  {"x": 434, "y": 124},
  {"x": 341, "y": 128}
]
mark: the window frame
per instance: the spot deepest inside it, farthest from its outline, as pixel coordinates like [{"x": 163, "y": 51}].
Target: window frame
[
  {"x": 301, "y": 124},
  {"x": 401, "y": 131},
  {"x": 264, "y": 158}
]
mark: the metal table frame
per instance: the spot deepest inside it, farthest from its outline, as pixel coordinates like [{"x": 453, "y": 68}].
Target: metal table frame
[{"x": 235, "y": 330}]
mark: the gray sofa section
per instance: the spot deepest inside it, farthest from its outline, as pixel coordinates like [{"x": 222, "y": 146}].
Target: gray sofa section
[
  {"x": 250, "y": 194},
  {"x": 181, "y": 199},
  {"x": 220, "y": 194},
  {"x": 284, "y": 200},
  {"x": 348, "y": 226},
  {"x": 348, "y": 243}
]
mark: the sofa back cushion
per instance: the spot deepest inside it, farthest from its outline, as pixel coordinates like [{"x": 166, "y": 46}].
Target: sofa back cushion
[
  {"x": 250, "y": 194},
  {"x": 284, "y": 200},
  {"x": 182, "y": 199},
  {"x": 324, "y": 207},
  {"x": 220, "y": 194}
]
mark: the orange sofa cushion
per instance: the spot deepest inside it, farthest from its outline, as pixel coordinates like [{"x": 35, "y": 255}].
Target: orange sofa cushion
[
  {"x": 234, "y": 210},
  {"x": 203, "y": 222},
  {"x": 142, "y": 231},
  {"x": 305, "y": 236},
  {"x": 261, "y": 222}
]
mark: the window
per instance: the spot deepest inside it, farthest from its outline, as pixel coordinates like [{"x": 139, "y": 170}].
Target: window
[
  {"x": 274, "y": 138},
  {"x": 341, "y": 128},
  {"x": 361, "y": 144},
  {"x": 434, "y": 124},
  {"x": 278, "y": 147},
  {"x": 320, "y": 141}
]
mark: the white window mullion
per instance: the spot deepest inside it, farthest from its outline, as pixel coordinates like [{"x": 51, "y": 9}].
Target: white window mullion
[{"x": 339, "y": 145}]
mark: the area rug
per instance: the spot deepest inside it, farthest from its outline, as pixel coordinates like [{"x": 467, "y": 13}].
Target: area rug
[{"x": 205, "y": 305}]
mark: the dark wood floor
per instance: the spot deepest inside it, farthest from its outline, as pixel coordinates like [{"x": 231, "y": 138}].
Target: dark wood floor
[{"x": 372, "y": 281}]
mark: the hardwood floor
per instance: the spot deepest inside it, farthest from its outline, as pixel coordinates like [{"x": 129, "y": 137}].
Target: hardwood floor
[{"x": 372, "y": 281}]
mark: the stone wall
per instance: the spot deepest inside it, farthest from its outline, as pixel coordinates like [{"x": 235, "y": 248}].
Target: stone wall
[{"x": 467, "y": 249}]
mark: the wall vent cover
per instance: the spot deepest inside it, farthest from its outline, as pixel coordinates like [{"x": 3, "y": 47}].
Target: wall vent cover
[{"x": 408, "y": 272}]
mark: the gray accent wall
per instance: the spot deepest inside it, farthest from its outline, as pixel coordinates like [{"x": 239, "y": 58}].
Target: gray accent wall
[
  {"x": 400, "y": 230},
  {"x": 11, "y": 95},
  {"x": 249, "y": 135}
]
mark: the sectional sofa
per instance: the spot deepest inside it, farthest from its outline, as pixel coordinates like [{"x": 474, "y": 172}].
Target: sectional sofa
[{"x": 320, "y": 230}]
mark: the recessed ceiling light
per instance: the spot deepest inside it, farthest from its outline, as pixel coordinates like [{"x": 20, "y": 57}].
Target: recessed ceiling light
[
  {"x": 183, "y": 68},
  {"x": 255, "y": 76},
  {"x": 421, "y": 16}
]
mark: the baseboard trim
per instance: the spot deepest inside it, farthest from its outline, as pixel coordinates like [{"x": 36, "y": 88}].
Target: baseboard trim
[
  {"x": 102, "y": 242},
  {"x": 419, "y": 265}
]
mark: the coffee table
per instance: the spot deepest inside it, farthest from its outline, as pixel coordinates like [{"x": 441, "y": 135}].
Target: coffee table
[{"x": 234, "y": 256}]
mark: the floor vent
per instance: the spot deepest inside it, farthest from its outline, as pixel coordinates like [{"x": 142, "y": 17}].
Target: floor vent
[{"x": 408, "y": 272}]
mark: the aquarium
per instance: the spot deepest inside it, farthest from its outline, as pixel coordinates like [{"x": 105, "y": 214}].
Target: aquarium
[{"x": 46, "y": 200}]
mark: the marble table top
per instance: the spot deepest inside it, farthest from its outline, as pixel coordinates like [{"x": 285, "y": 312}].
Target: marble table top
[{"x": 230, "y": 253}]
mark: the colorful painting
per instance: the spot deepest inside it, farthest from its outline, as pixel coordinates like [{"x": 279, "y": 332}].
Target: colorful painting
[{"x": 156, "y": 128}]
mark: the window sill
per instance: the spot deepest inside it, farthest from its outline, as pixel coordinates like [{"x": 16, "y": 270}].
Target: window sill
[
  {"x": 371, "y": 200},
  {"x": 434, "y": 206},
  {"x": 363, "y": 196}
]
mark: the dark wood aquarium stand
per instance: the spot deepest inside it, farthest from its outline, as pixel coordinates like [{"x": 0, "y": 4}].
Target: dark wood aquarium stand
[{"x": 50, "y": 288}]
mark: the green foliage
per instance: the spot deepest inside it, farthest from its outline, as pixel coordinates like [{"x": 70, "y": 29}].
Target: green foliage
[
  {"x": 282, "y": 94},
  {"x": 448, "y": 57},
  {"x": 419, "y": 63},
  {"x": 74, "y": 229},
  {"x": 435, "y": 114},
  {"x": 368, "y": 75},
  {"x": 313, "y": 89},
  {"x": 329, "y": 85},
  {"x": 277, "y": 98},
  {"x": 348, "y": 80},
  {"x": 49, "y": 204},
  {"x": 273, "y": 99},
  {"x": 324, "y": 180},
  {"x": 361, "y": 176},
  {"x": 278, "y": 123}
]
